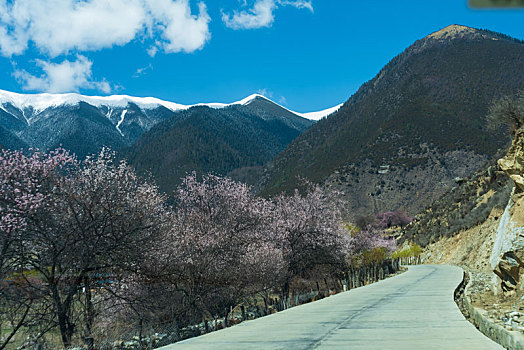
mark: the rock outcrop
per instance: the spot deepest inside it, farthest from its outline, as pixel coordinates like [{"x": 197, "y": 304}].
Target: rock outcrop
[
  {"x": 507, "y": 256},
  {"x": 513, "y": 162}
]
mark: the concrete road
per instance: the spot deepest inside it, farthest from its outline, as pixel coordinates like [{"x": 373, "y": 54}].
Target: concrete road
[{"x": 414, "y": 310}]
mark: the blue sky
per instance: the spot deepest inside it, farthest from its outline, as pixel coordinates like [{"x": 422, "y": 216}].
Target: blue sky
[{"x": 306, "y": 54}]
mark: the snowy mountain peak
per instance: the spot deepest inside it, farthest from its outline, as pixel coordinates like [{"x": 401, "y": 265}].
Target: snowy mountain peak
[{"x": 251, "y": 98}]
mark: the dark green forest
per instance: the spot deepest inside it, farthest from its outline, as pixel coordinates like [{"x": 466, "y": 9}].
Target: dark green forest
[{"x": 205, "y": 140}]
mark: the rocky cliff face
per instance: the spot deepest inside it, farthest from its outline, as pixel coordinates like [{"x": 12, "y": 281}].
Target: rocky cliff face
[
  {"x": 513, "y": 162},
  {"x": 507, "y": 256}
]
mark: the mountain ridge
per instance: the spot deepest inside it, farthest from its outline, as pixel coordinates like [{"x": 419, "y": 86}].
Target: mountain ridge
[
  {"x": 83, "y": 124},
  {"x": 42, "y": 101}
]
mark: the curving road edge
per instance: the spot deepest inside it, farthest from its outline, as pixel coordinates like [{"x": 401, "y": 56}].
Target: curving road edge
[{"x": 414, "y": 310}]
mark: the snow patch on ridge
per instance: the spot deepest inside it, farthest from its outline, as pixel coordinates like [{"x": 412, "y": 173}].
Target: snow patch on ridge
[
  {"x": 320, "y": 114},
  {"x": 40, "y": 102},
  {"x": 109, "y": 114},
  {"x": 121, "y": 121}
]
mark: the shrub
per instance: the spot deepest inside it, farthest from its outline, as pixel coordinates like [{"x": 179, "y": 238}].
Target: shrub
[
  {"x": 508, "y": 110},
  {"x": 413, "y": 250}
]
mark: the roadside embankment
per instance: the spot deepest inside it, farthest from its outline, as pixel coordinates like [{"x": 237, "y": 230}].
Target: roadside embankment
[{"x": 506, "y": 331}]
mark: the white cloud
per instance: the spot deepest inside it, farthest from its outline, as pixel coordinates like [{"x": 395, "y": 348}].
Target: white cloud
[
  {"x": 152, "y": 51},
  {"x": 58, "y": 27},
  {"x": 179, "y": 28},
  {"x": 265, "y": 92},
  {"x": 11, "y": 44},
  {"x": 261, "y": 14},
  {"x": 299, "y": 4},
  {"x": 282, "y": 100},
  {"x": 62, "y": 77},
  {"x": 142, "y": 71}
]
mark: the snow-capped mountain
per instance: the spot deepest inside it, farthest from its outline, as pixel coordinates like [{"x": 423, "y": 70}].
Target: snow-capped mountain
[
  {"x": 37, "y": 103},
  {"x": 85, "y": 123},
  {"x": 41, "y": 102}
]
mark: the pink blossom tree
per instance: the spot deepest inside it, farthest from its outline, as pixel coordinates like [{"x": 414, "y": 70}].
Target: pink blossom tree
[
  {"x": 24, "y": 180},
  {"x": 94, "y": 222},
  {"x": 309, "y": 230},
  {"x": 393, "y": 218},
  {"x": 24, "y": 183},
  {"x": 221, "y": 244}
]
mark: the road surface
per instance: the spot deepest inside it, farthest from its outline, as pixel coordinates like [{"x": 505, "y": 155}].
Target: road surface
[{"x": 414, "y": 310}]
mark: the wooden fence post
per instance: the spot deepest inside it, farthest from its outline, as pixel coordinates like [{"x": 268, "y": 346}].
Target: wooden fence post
[{"x": 242, "y": 307}]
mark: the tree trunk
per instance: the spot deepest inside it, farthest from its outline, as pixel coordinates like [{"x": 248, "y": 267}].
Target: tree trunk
[
  {"x": 140, "y": 331},
  {"x": 90, "y": 314},
  {"x": 64, "y": 324},
  {"x": 285, "y": 290},
  {"x": 66, "y": 329}
]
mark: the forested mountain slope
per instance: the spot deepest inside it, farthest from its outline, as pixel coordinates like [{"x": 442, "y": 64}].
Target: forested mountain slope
[
  {"x": 404, "y": 136},
  {"x": 238, "y": 139},
  {"x": 8, "y": 140}
]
